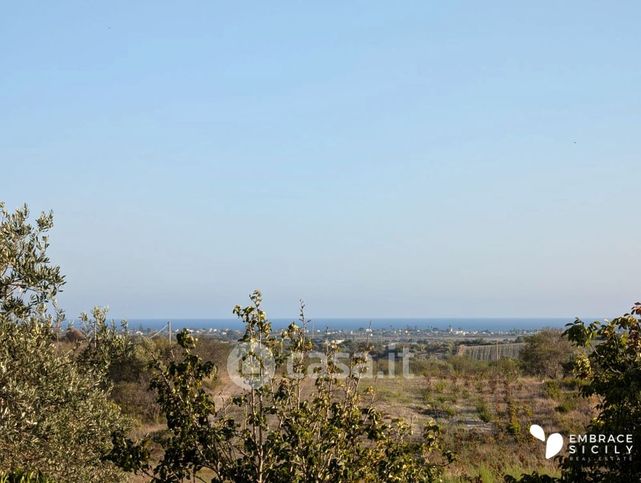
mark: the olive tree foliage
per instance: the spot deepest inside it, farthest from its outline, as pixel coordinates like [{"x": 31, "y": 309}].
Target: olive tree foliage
[
  {"x": 55, "y": 417},
  {"x": 27, "y": 279},
  {"x": 285, "y": 428}
]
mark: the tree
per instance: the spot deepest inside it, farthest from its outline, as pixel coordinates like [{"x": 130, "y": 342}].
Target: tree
[
  {"x": 27, "y": 279},
  {"x": 279, "y": 434},
  {"x": 546, "y": 354},
  {"x": 610, "y": 367},
  {"x": 55, "y": 416}
]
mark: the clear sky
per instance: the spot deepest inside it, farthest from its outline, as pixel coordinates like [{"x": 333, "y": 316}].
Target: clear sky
[{"x": 373, "y": 158}]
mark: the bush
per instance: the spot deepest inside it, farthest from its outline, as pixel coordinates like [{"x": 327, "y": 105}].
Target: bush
[
  {"x": 484, "y": 411},
  {"x": 507, "y": 368},
  {"x": 546, "y": 354},
  {"x": 566, "y": 406},
  {"x": 513, "y": 425},
  {"x": 552, "y": 389}
]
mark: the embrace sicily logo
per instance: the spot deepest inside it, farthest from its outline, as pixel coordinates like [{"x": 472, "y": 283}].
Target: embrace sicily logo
[{"x": 554, "y": 443}]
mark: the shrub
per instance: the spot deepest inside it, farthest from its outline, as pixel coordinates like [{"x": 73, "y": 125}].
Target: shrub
[
  {"x": 513, "y": 424},
  {"x": 507, "y": 368},
  {"x": 484, "y": 411},
  {"x": 570, "y": 383},
  {"x": 566, "y": 406},
  {"x": 552, "y": 389},
  {"x": 546, "y": 354}
]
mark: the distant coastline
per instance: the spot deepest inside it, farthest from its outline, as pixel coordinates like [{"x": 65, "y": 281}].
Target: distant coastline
[{"x": 346, "y": 323}]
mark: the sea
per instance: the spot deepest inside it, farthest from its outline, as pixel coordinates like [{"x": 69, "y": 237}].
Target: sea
[{"x": 494, "y": 324}]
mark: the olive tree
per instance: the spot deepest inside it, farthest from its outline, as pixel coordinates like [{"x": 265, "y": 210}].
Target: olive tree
[
  {"x": 27, "y": 278},
  {"x": 55, "y": 416}
]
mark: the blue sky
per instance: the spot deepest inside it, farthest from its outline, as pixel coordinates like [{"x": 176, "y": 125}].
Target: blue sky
[{"x": 373, "y": 158}]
